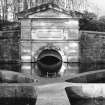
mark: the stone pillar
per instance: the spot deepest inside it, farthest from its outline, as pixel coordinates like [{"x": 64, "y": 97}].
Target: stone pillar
[{"x": 25, "y": 46}]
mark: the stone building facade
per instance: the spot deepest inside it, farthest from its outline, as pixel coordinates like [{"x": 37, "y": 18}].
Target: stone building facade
[{"x": 49, "y": 40}]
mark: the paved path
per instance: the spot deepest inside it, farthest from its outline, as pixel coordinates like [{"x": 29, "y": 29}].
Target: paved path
[{"x": 52, "y": 94}]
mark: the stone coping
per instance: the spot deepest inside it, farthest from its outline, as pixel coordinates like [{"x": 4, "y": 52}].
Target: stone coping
[{"x": 88, "y": 77}]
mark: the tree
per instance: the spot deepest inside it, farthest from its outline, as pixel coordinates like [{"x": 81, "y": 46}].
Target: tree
[
  {"x": 25, "y": 5},
  {"x": 102, "y": 19},
  {"x": 20, "y": 5},
  {"x": 89, "y": 15},
  {"x": 87, "y": 21},
  {"x": 4, "y": 9},
  {"x": 90, "y": 22}
]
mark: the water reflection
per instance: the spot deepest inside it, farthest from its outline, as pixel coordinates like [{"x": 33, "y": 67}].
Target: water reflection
[
  {"x": 88, "y": 101},
  {"x": 85, "y": 67},
  {"x": 69, "y": 68},
  {"x": 12, "y": 66}
]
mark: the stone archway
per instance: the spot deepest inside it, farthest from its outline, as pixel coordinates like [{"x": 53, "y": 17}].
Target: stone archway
[{"x": 49, "y": 60}]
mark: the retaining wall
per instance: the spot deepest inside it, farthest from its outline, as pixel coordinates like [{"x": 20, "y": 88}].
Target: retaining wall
[
  {"x": 92, "y": 47},
  {"x": 9, "y": 50},
  {"x": 92, "y": 50}
]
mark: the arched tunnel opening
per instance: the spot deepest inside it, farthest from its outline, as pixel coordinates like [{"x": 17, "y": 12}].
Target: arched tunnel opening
[{"x": 49, "y": 62}]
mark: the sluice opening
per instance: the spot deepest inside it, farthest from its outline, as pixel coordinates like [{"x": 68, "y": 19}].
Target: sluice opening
[{"x": 49, "y": 62}]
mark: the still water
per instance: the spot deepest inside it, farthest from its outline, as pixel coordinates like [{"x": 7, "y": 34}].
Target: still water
[
  {"x": 70, "y": 67},
  {"x": 89, "y": 102}
]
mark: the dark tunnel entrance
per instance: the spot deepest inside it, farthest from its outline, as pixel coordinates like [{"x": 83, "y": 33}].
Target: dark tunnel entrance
[{"x": 49, "y": 62}]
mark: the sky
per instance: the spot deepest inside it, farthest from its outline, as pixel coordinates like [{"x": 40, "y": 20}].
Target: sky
[{"x": 100, "y": 4}]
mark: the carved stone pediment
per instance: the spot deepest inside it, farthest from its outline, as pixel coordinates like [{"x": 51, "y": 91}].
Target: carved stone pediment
[
  {"x": 48, "y": 10},
  {"x": 51, "y": 13}
]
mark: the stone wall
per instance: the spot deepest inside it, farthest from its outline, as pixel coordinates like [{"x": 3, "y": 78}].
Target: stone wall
[
  {"x": 92, "y": 50},
  {"x": 92, "y": 47},
  {"x": 41, "y": 33},
  {"x": 9, "y": 50}
]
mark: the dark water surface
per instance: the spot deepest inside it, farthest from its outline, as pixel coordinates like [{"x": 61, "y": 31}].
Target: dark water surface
[
  {"x": 17, "y": 101},
  {"x": 11, "y": 66},
  {"x": 95, "y": 102},
  {"x": 88, "y": 102},
  {"x": 75, "y": 67}
]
